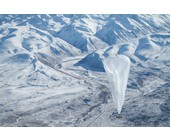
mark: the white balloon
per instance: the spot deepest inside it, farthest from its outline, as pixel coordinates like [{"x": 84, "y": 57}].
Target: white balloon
[{"x": 117, "y": 69}]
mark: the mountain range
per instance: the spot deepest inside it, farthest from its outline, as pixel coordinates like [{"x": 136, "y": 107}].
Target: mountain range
[{"x": 51, "y": 70}]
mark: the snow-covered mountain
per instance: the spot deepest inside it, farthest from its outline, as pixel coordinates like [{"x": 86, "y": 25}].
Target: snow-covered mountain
[{"x": 51, "y": 70}]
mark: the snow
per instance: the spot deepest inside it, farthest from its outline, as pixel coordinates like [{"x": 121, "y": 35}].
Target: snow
[
  {"x": 117, "y": 69},
  {"x": 51, "y": 70}
]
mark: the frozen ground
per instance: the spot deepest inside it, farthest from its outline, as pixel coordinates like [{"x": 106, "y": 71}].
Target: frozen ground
[{"x": 51, "y": 72}]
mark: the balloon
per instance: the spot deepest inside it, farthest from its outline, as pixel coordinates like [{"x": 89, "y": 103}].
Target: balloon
[{"x": 117, "y": 69}]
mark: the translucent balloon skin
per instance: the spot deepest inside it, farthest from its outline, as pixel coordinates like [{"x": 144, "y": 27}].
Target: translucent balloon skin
[{"x": 117, "y": 69}]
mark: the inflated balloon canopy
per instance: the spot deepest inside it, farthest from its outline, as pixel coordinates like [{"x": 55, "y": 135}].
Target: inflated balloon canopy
[{"x": 117, "y": 69}]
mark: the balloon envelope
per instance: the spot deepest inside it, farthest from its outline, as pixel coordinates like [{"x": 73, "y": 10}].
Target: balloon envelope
[{"x": 117, "y": 69}]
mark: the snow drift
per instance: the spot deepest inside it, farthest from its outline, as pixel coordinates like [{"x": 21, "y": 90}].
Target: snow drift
[{"x": 117, "y": 69}]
